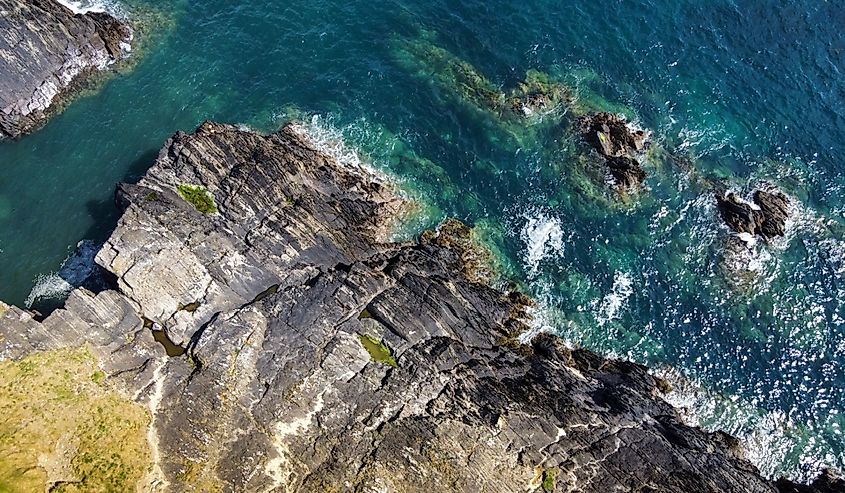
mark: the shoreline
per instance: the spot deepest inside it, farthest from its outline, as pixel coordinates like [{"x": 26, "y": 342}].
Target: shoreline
[
  {"x": 198, "y": 276},
  {"x": 38, "y": 87}
]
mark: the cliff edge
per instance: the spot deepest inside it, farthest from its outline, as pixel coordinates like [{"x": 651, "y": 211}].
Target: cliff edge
[{"x": 277, "y": 341}]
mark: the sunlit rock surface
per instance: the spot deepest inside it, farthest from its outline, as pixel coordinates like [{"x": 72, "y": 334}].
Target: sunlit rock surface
[
  {"x": 47, "y": 52},
  {"x": 309, "y": 353}
]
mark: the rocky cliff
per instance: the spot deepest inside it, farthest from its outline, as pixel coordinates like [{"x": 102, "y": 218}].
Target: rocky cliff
[
  {"x": 46, "y": 52},
  {"x": 279, "y": 342}
]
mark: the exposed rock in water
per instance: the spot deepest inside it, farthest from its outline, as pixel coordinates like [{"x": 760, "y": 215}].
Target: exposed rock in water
[
  {"x": 827, "y": 482},
  {"x": 612, "y": 137},
  {"x": 765, "y": 215},
  {"x": 47, "y": 52},
  {"x": 626, "y": 172},
  {"x": 774, "y": 207},
  {"x": 319, "y": 357}
]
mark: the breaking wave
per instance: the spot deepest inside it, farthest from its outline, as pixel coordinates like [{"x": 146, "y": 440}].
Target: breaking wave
[
  {"x": 543, "y": 237},
  {"x": 78, "y": 269}
]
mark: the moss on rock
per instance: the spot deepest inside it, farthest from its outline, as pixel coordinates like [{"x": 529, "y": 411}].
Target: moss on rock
[
  {"x": 62, "y": 430},
  {"x": 379, "y": 352},
  {"x": 199, "y": 197},
  {"x": 550, "y": 479}
]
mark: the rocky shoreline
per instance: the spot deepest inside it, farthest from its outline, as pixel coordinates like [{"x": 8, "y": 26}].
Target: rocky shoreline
[
  {"x": 47, "y": 53},
  {"x": 275, "y": 340}
]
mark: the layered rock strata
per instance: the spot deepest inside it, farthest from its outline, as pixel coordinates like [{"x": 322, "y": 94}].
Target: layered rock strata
[
  {"x": 46, "y": 52},
  {"x": 311, "y": 354}
]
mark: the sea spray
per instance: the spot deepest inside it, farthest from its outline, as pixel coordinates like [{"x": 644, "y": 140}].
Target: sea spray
[
  {"x": 611, "y": 306},
  {"x": 78, "y": 269},
  {"x": 543, "y": 237}
]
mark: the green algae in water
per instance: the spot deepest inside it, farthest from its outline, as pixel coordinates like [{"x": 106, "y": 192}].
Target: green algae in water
[
  {"x": 60, "y": 423},
  {"x": 379, "y": 352},
  {"x": 199, "y": 197}
]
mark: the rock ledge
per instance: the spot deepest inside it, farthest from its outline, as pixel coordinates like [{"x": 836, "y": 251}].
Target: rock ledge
[{"x": 46, "y": 53}]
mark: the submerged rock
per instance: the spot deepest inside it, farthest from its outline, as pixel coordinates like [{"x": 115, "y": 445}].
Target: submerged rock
[
  {"x": 765, "y": 215},
  {"x": 46, "y": 52},
  {"x": 319, "y": 357},
  {"x": 539, "y": 94}
]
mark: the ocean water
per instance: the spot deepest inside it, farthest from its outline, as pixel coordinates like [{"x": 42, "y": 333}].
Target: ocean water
[{"x": 740, "y": 92}]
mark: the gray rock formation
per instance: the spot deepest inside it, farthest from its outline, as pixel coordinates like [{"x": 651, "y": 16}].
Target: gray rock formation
[
  {"x": 46, "y": 52},
  {"x": 320, "y": 357}
]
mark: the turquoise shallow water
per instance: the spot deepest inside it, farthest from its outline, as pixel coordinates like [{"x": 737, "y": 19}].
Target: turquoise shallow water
[{"x": 748, "y": 91}]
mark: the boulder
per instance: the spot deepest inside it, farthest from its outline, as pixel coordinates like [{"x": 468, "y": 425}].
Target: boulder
[
  {"x": 619, "y": 145},
  {"x": 610, "y": 135},
  {"x": 626, "y": 172},
  {"x": 765, "y": 215}
]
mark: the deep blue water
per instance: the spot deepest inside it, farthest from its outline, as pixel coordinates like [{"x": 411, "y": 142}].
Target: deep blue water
[{"x": 748, "y": 91}]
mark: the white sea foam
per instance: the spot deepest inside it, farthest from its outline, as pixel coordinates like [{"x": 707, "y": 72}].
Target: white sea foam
[
  {"x": 78, "y": 267},
  {"x": 328, "y": 139},
  {"x": 543, "y": 237},
  {"x": 48, "y": 287},
  {"x": 111, "y": 7},
  {"x": 614, "y": 302},
  {"x": 83, "y": 6}
]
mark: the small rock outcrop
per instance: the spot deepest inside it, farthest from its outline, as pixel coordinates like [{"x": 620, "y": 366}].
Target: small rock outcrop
[
  {"x": 612, "y": 137},
  {"x": 827, "y": 482},
  {"x": 46, "y": 52},
  {"x": 318, "y": 356},
  {"x": 765, "y": 215}
]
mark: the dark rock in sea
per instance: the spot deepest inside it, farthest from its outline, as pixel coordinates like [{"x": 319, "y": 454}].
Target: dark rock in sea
[
  {"x": 774, "y": 208},
  {"x": 827, "y": 482},
  {"x": 765, "y": 215},
  {"x": 626, "y": 172},
  {"x": 611, "y": 136},
  {"x": 738, "y": 214},
  {"x": 46, "y": 53},
  {"x": 311, "y": 354}
]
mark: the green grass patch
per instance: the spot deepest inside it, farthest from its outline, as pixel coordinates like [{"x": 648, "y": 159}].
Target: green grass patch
[
  {"x": 550, "y": 479},
  {"x": 60, "y": 424},
  {"x": 379, "y": 352},
  {"x": 199, "y": 197},
  {"x": 98, "y": 377}
]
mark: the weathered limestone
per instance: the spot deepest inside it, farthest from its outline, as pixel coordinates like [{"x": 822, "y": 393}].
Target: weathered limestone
[
  {"x": 320, "y": 357},
  {"x": 46, "y": 52}
]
